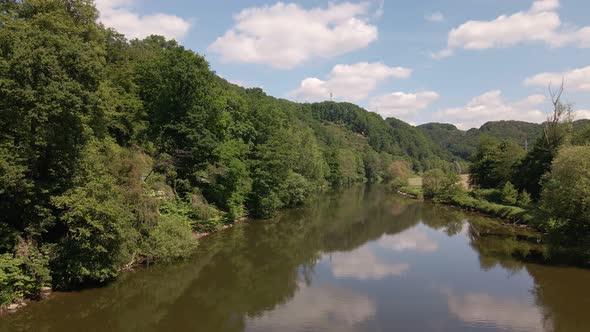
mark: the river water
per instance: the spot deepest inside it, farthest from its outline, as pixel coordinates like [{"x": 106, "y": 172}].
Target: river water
[{"x": 358, "y": 260}]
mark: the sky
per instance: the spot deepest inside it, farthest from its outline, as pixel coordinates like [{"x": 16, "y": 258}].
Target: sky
[{"x": 464, "y": 62}]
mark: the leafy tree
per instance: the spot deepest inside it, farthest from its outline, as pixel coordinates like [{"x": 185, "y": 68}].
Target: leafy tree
[
  {"x": 492, "y": 164},
  {"x": 440, "y": 185},
  {"x": 537, "y": 162},
  {"x": 98, "y": 233},
  {"x": 564, "y": 203}
]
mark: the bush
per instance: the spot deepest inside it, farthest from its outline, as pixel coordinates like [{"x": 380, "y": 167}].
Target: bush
[
  {"x": 412, "y": 190},
  {"x": 490, "y": 195},
  {"x": 23, "y": 276},
  {"x": 440, "y": 185},
  {"x": 524, "y": 200},
  {"x": 295, "y": 190},
  {"x": 512, "y": 213},
  {"x": 509, "y": 194},
  {"x": 171, "y": 239},
  {"x": 99, "y": 234},
  {"x": 202, "y": 217}
]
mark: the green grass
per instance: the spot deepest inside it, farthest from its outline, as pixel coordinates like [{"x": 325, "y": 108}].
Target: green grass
[{"x": 512, "y": 213}]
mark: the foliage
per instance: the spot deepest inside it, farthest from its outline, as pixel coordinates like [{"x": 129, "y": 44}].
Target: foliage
[
  {"x": 564, "y": 206},
  {"x": 97, "y": 228},
  {"x": 492, "y": 164},
  {"x": 556, "y": 132},
  {"x": 524, "y": 199},
  {"x": 509, "y": 194},
  {"x": 22, "y": 276},
  {"x": 171, "y": 239},
  {"x": 398, "y": 174},
  {"x": 512, "y": 213},
  {"x": 440, "y": 185}
]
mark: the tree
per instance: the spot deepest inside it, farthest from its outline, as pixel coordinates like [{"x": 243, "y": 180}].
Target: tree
[
  {"x": 556, "y": 131},
  {"x": 564, "y": 203},
  {"x": 440, "y": 185},
  {"x": 492, "y": 164},
  {"x": 509, "y": 194}
]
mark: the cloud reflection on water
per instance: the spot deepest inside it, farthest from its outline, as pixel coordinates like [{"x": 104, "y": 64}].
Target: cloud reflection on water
[
  {"x": 503, "y": 312},
  {"x": 319, "y": 308}
]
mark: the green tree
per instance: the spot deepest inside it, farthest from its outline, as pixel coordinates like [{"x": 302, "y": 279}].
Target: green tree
[
  {"x": 98, "y": 235},
  {"x": 440, "y": 185},
  {"x": 557, "y": 131},
  {"x": 492, "y": 164},
  {"x": 509, "y": 194},
  {"x": 564, "y": 204}
]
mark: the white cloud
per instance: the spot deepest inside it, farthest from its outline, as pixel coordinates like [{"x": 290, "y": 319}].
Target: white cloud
[
  {"x": 119, "y": 14},
  {"x": 402, "y": 105},
  {"x": 435, "y": 17},
  {"x": 576, "y": 79},
  {"x": 362, "y": 264},
  {"x": 413, "y": 239},
  {"x": 245, "y": 84},
  {"x": 581, "y": 114},
  {"x": 348, "y": 82},
  {"x": 538, "y": 24},
  {"x": 490, "y": 106},
  {"x": 286, "y": 35}
]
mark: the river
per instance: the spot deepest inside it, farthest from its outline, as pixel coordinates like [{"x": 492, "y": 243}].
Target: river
[{"x": 358, "y": 260}]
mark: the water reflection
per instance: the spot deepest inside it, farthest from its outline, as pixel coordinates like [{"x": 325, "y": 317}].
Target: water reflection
[
  {"x": 318, "y": 308},
  {"x": 363, "y": 264},
  {"x": 412, "y": 239},
  {"x": 504, "y": 313},
  {"x": 361, "y": 260}
]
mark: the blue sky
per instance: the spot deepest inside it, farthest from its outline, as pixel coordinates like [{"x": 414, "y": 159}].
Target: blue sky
[{"x": 458, "y": 61}]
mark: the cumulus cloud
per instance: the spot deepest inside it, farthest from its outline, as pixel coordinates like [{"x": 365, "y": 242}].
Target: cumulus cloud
[
  {"x": 435, "y": 17},
  {"x": 581, "y": 114},
  {"x": 402, "y": 105},
  {"x": 285, "y": 35},
  {"x": 120, "y": 15},
  {"x": 348, "y": 82},
  {"x": 576, "y": 79},
  {"x": 490, "y": 106},
  {"x": 540, "y": 23}
]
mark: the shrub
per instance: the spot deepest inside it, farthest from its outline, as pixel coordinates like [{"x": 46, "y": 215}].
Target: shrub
[
  {"x": 440, "y": 185},
  {"x": 171, "y": 239},
  {"x": 524, "y": 200},
  {"x": 509, "y": 194},
  {"x": 295, "y": 190},
  {"x": 22, "y": 276},
  {"x": 490, "y": 195}
]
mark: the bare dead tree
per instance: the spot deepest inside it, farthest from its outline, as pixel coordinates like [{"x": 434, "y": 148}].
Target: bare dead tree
[{"x": 562, "y": 113}]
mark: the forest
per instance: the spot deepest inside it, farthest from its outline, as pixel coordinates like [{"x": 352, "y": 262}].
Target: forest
[{"x": 114, "y": 152}]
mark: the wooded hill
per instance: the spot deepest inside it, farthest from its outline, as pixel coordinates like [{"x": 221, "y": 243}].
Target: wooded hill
[{"x": 462, "y": 144}]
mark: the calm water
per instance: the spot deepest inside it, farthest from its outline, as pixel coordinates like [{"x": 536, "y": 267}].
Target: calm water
[{"x": 360, "y": 260}]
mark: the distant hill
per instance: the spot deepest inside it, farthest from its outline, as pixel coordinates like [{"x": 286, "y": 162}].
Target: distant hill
[{"x": 463, "y": 144}]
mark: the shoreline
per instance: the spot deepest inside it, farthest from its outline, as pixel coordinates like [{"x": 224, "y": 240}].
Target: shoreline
[{"x": 46, "y": 292}]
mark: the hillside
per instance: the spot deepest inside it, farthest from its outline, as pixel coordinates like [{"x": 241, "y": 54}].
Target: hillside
[{"x": 462, "y": 144}]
